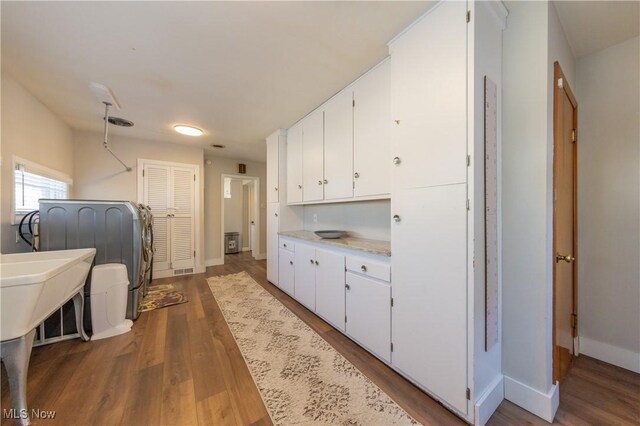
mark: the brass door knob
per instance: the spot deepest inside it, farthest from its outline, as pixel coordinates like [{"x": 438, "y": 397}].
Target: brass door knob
[{"x": 567, "y": 258}]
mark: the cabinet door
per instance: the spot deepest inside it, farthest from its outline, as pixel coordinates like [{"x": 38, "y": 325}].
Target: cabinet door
[
  {"x": 338, "y": 146},
  {"x": 429, "y": 103},
  {"x": 429, "y": 265},
  {"x": 182, "y": 218},
  {"x": 368, "y": 309},
  {"x": 305, "y": 275},
  {"x": 272, "y": 168},
  {"x": 330, "y": 287},
  {"x": 273, "y": 224},
  {"x": 294, "y": 164},
  {"x": 313, "y": 157},
  {"x": 372, "y": 133},
  {"x": 156, "y": 195},
  {"x": 286, "y": 271}
]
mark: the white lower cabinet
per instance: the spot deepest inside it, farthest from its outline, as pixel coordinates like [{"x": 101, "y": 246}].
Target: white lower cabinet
[
  {"x": 273, "y": 224},
  {"x": 305, "y": 275},
  {"x": 330, "y": 287},
  {"x": 368, "y": 312},
  {"x": 286, "y": 271}
]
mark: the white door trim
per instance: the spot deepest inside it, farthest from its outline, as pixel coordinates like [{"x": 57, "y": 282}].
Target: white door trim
[{"x": 255, "y": 249}]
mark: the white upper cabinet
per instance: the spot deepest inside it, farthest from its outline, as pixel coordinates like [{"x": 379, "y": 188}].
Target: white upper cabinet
[
  {"x": 429, "y": 99},
  {"x": 273, "y": 146},
  {"x": 372, "y": 132},
  {"x": 313, "y": 157},
  {"x": 294, "y": 164},
  {"x": 338, "y": 146}
]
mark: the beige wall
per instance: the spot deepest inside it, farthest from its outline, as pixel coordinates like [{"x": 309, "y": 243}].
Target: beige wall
[
  {"x": 532, "y": 41},
  {"x": 33, "y": 132},
  {"x": 213, "y": 200},
  {"x": 608, "y": 204},
  {"x": 97, "y": 175},
  {"x": 365, "y": 219}
]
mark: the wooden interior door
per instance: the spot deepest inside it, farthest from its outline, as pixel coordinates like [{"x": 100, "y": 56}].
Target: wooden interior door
[
  {"x": 156, "y": 195},
  {"x": 182, "y": 219},
  {"x": 564, "y": 225}
]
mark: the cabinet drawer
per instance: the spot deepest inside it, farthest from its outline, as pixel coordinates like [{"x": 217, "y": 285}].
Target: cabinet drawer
[
  {"x": 287, "y": 245},
  {"x": 379, "y": 270}
]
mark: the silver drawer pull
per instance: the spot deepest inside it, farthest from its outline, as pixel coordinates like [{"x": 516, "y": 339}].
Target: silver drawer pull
[{"x": 363, "y": 268}]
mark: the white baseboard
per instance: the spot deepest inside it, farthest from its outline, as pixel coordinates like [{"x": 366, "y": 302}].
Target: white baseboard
[
  {"x": 169, "y": 272},
  {"x": 261, "y": 256},
  {"x": 246, "y": 248},
  {"x": 214, "y": 262},
  {"x": 201, "y": 269},
  {"x": 489, "y": 401},
  {"x": 543, "y": 405},
  {"x": 612, "y": 354}
]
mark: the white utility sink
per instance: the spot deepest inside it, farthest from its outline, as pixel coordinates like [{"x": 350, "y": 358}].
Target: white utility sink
[{"x": 32, "y": 287}]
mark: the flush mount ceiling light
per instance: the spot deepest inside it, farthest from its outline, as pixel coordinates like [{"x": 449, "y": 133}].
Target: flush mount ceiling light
[{"x": 188, "y": 130}]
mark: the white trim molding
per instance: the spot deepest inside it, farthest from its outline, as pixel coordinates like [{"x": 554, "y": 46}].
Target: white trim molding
[
  {"x": 214, "y": 262},
  {"x": 543, "y": 405},
  {"x": 612, "y": 354},
  {"x": 260, "y": 256},
  {"x": 489, "y": 401}
]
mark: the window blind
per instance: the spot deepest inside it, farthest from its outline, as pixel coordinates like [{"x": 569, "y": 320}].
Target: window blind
[{"x": 31, "y": 187}]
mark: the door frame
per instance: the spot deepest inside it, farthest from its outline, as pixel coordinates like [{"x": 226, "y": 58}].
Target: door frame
[
  {"x": 197, "y": 217},
  {"x": 561, "y": 88},
  {"x": 255, "y": 250}
]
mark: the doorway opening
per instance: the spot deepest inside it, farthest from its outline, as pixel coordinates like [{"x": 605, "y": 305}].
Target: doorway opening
[
  {"x": 565, "y": 294},
  {"x": 240, "y": 215}
]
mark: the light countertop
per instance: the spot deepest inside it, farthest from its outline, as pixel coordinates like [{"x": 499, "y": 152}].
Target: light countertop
[{"x": 382, "y": 248}]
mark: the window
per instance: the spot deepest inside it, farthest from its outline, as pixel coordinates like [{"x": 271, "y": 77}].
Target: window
[{"x": 33, "y": 182}]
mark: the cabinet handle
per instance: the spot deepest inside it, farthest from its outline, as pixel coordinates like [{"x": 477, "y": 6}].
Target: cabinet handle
[
  {"x": 396, "y": 160},
  {"x": 356, "y": 175},
  {"x": 397, "y": 121},
  {"x": 347, "y": 286},
  {"x": 326, "y": 181},
  {"x": 299, "y": 186},
  {"x": 317, "y": 263},
  {"x": 291, "y": 262},
  {"x": 363, "y": 268},
  {"x": 284, "y": 245},
  {"x": 276, "y": 188},
  {"x": 396, "y": 218},
  {"x": 311, "y": 261},
  {"x": 276, "y": 214},
  {"x": 319, "y": 182}
]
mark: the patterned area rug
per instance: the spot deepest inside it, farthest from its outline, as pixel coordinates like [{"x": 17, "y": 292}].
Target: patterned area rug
[
  {"x": 302, "y": 379},
  {"x": 161, "y": 295}
]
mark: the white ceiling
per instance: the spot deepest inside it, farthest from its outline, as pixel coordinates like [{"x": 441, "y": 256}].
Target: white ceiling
[
  {"x": 591, "y": 26},
  {"x": 238, "y": 70}
]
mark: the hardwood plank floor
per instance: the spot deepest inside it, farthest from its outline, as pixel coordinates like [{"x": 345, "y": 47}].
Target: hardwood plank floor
[{"x": 180, "y": 365}]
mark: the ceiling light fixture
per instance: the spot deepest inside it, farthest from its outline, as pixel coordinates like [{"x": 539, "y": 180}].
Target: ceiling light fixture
[{"x": 188, "y": 130}]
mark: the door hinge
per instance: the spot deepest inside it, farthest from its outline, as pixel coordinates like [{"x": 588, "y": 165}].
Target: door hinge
[
  {"x": 468, "y": 16},
  {"x": 354, "y": 185},
  {"x": 573, "y": 135},
  {"x": 142, "y": 172},
  {"x": 345, "y": 318},
  {"x": 354, "y": 103},
  {"x": 468, "y": 204},
  {"x": 391, "y": 346},
  {"x": 468, "y": 394},
  {"x": 194, "y": 253},
  {"x": 574, "y": 320},
  {"x": 468, "y": 160},
  {"x": 392, "y": 302},
  {"x": 194, "y": 178}
]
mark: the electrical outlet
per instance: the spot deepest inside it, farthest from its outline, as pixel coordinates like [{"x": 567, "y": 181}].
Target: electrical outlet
[{"x": 315, "y": 218}]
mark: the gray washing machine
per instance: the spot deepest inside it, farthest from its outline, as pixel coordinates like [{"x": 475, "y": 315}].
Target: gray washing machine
[{"x": 118, "y": 230}]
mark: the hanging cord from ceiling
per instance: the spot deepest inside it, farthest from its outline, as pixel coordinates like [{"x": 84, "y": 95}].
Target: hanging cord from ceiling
[{"x": 105, "y": 143}]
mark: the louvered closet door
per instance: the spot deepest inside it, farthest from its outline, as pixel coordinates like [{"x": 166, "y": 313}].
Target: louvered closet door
[
  {"x": 156, "y": 196},
  {"x": 182, "y": 218}
]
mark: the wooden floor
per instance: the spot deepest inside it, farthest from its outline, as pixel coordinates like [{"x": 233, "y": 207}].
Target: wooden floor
[{"x": 180, "y": 365}]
